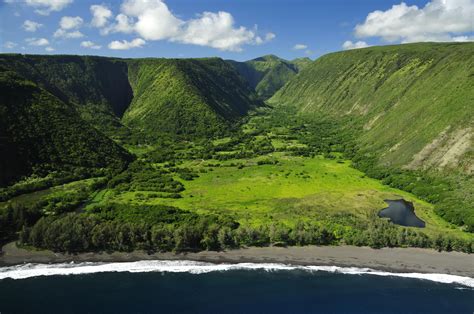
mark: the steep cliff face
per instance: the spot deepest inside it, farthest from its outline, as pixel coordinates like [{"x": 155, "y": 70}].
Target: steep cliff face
[
  {"x": 39, "y": 130},
  {"x": 415, "y": 101},
  {"x": 97, "y": 87}
]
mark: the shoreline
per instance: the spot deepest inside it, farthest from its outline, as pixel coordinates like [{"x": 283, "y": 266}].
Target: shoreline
[{"x": 400, "y": 260}]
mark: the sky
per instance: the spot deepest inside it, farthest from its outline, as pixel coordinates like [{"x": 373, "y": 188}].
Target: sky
[{"x": 231, "y": 29}]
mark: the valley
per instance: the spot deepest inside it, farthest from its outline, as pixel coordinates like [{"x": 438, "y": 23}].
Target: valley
[{"x": 196, "y": 154}]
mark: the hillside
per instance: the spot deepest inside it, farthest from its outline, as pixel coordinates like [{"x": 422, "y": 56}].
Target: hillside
[
  {"x": 39, "y": 133},
  {"x": 269, "y": 73},
  {"x": 97, "y": 87},
  {"x": 85, "y": 97},
  {"x": 175, "y": 96},
  {"x": 202, "y": 181},
  {"x": 414, "y": 101},
  {"x": 186, "y": 96}
]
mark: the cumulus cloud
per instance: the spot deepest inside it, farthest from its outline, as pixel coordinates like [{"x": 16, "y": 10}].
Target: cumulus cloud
[
  {"x": 125, "y": 45},
  {"x": 31, "y": 26},
  {"x": 438, "y": 20},
  {"x": 37, "y": 41},
  {"x": 68, "y": 27},
  {"x": 61, "y": 33},
  {"x": 44, "y": 7},
  {"x": 90, "y": 44},
  {"x": 70, "y": 22},
  {"x": 354, "y": 45},
  {"x": 49, "y": 49},
  {"x": 299, "y": 47},
  {"x": 153, "y": 20},
  {"x": 124, "y": 24},
  {"x": 216, "y": 30},
  {"x": 100, "y": 15},
  {"x": 268, "y": 37},
  {"x": 9, "y": 45}
]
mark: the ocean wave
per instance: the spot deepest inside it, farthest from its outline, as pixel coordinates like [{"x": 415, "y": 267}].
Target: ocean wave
[{"x": 35, "y": 270}]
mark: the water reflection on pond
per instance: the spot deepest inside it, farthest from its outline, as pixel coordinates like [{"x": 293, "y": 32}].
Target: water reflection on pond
[{"x": 402, "y": 213}]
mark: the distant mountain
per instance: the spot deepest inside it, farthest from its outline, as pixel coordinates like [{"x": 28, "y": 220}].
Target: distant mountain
[
  {"x": 301, "y": 63},
  {"x": 269, "y": 73},
  {"x": 414, "y": 101}
]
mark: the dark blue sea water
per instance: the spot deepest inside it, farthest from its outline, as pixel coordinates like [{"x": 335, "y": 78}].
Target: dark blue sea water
[{"x": 234, "y": 291}]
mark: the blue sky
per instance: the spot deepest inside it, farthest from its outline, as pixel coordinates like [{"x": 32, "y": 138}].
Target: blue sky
[{"x": 233, "y": 29}]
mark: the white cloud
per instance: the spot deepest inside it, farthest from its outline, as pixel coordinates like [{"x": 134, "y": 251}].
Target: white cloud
[
  {"x": 438, "y": 20},
  {"x": 90, "y": 44},
  {"x": 31, "y": 26},
  {"x": 70, "y": 22},
  {"x": 268, "y": 37},
  {"x": 61, "y": 33},
  {"x": 100, "y": 15},
  {"x": 354, "y": 45},
  {"x": 44, "y": 7},
  {"x": 462, "y": 39},
  {"x": 37, "y": 41},
  {"x": 125, "y": 45},
  {"x": 124, "y": 24},
  {"x": 299, "y": 47},
  {"x": 216, "y": 30},
  {"x": 153, "y": 20},
  {"x": 49, "y": 49},
  {"x": 68, "y": 26},
  {"x": 9, "y": 45}
]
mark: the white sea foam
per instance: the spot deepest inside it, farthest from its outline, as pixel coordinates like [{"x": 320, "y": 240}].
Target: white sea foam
[{"x": 34, "y": 270}]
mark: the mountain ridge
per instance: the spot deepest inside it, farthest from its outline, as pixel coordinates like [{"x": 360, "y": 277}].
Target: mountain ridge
[
  {"x": 268, "y": 73},
  {"x": 414, "y": 101}
]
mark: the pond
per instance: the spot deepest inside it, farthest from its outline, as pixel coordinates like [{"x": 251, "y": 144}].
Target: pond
[{"x": 402, "y": 213}]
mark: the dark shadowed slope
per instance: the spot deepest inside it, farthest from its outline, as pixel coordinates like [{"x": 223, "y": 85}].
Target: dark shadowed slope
[
  {"x": 40, "y": 132},
  {"x": 97, "y": 87}
]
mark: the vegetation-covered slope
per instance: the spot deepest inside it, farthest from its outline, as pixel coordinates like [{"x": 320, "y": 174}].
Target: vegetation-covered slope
[
  {"x": 40, "y": 132},
  {"x": 269, "y": 73},
  {"x": 186, "y": 96},
  {"x": 415, "y": 102},
  {"x": 97, "y": 87}
]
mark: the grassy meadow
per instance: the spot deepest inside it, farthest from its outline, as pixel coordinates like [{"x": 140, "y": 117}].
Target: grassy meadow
[
  {"x": 284, "y": 188},
  {"x": 276, "y": 180}
]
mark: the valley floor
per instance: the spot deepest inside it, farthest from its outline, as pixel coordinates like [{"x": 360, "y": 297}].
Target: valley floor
[
  {"x": 278, "y": 180},
  {"x": 414, "y": 260}
]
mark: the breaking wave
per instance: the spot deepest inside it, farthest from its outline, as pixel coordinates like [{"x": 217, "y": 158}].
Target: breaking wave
[{"x": 35, "y": 270}]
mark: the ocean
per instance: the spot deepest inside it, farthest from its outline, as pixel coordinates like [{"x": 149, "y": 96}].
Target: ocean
[{"x": 196, "y": 287}]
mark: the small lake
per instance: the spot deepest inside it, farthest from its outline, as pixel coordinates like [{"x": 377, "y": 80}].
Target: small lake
[{"x": 402, "y": 213}]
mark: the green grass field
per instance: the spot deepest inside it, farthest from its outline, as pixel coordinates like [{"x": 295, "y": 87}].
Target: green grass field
[
  {"x": 297, "y": 188},
  {"x": 260, "y": 178}
]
